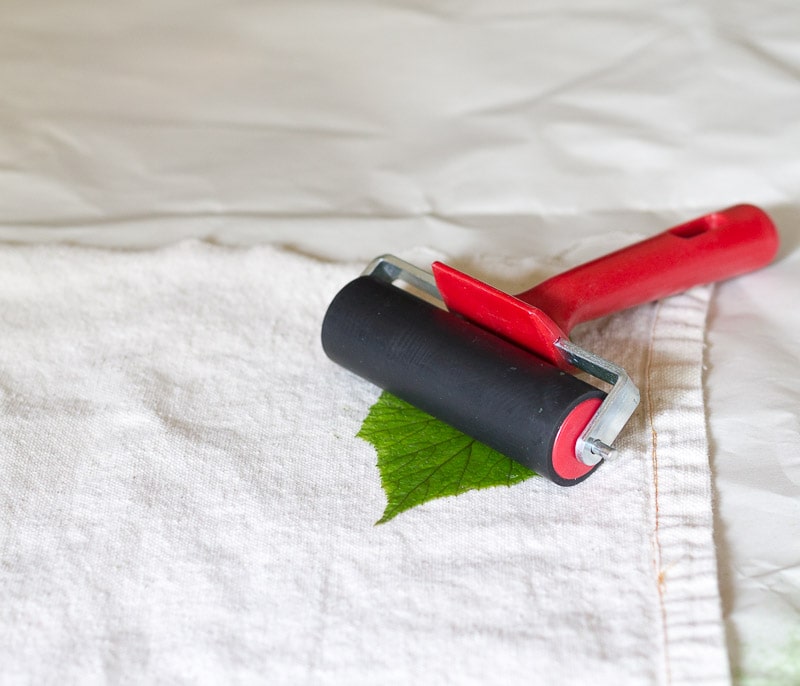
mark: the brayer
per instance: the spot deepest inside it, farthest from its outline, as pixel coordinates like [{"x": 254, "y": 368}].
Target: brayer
[{"x": 497, "y": 366}]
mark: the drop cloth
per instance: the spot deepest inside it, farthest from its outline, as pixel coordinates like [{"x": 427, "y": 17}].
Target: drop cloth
[{"x": 189, "y": 501}]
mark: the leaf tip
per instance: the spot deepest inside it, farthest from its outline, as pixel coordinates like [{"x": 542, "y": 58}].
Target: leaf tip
[{"x": 421, "y": 458}]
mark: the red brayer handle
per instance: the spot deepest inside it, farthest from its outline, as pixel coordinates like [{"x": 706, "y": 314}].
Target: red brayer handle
[{"x": 716, "y": 246}]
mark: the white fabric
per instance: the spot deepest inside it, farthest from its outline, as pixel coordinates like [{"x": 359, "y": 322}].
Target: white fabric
[
  {"x": 187, "y": 500},
  {"x": 753, "y": 384}
]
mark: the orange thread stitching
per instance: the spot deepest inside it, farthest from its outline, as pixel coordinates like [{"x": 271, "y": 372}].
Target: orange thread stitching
[{"x": 657, "y": 561}]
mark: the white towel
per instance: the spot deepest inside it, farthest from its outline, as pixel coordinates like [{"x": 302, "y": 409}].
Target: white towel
[{"x": 185, "y": 500}]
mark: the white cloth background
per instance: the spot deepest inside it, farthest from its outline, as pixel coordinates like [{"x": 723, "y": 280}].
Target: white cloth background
[
  {"x": 186, "y": 499},
  {"x": 508, "y": 128}
]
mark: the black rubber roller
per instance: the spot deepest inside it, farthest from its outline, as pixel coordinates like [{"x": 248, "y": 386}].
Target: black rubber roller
[{"x": 475, "y": 381}]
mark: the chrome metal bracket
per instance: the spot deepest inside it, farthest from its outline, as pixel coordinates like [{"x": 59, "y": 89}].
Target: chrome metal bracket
[
  {"x": 597, "y": 439},
  {"x": 388, "y": 268}
]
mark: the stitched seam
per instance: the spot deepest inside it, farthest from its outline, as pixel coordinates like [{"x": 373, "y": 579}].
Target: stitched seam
[{"x": 657, "y": 559}]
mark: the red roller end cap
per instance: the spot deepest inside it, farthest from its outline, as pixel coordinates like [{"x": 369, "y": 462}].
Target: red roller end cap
[{"x": 565, "y": 462}]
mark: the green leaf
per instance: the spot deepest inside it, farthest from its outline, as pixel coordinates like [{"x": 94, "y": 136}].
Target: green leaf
[{"x": 421, "y": 458}]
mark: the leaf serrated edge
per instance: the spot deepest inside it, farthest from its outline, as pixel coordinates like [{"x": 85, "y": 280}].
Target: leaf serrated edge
[{"x": 388, "y": 406}]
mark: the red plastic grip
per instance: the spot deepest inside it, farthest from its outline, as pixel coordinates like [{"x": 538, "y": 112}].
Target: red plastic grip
[{"x": 716, "y": 246}]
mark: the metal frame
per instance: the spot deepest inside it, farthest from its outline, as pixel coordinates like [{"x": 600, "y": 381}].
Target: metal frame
[{"x": 597, "y": 439}]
